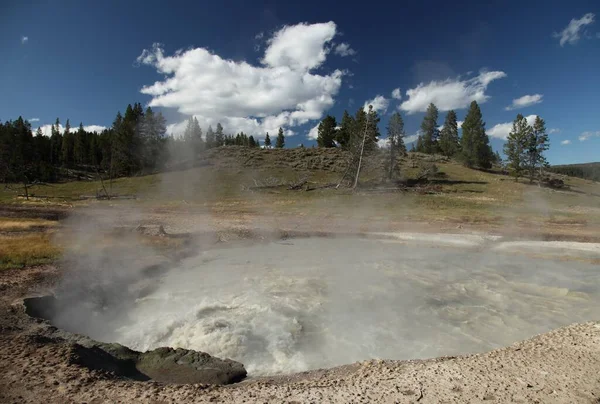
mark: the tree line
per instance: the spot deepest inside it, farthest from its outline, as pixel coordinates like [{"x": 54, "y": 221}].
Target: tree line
[
  {"x": 136, "y": 143},
  {"x": 524, "y": 149},
  {"x": 588, "y": 171}
]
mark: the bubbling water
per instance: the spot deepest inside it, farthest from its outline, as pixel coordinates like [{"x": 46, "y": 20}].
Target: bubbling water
[{"x": 310, "y": 303}]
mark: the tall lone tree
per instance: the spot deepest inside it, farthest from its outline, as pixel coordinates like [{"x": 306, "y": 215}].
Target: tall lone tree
[
  {"x": 475, "y": 144},
  {"x": 395, "y": 132},
  {"x": 327, "y": 132},
  {"x": 537, "y": 144},
  {"x": 280, "y": 141},
  {"x": 267, "y": 141},
  {"x": 449, "y": 139},
  {"x": 219, "y": 136},
  {"x": 210, "y": 138},
  {"x": 429, "y": 130},
  {"x": 516, "y": 146}
]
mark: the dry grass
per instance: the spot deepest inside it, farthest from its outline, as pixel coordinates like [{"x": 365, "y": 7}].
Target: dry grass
[
  {"x": 18, "y": 251},
  {"x": 25, "y": 224}
]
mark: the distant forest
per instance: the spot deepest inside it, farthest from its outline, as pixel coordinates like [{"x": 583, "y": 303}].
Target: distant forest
[
  {"x": 588, "y": 171},
  {"x": 137, "y": 143}
]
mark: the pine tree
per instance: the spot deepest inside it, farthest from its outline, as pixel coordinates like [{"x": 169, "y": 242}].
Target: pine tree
[
  {"x": 267, "y": 141},
  {"x": 344, "y": 133},
  {"x": 219, "y": 136},
  {"x": 79, "y": 146},
  {"x": 327, "y": 132},
  {"x": 475, "y": 144},
  {"x": 67, "y": 146},
  {"x": 516, "y": 146},
  {"x": 210, "y": 138},
  {"x": 251, "y": 142},
  {"x": 395, "y": 132},
  {"x": 280, "y": 141},
  {"x": 429, "y": 130},
  {"x": 537, "y": 144},
  {"x": 449, "y": 144}
]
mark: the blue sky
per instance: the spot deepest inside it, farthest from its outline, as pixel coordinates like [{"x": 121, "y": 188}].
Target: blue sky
[{"x": 255, "y": 66}]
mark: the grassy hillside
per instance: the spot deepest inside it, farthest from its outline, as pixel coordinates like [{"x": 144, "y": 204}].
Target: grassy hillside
[{"x": 257, "y": 181}]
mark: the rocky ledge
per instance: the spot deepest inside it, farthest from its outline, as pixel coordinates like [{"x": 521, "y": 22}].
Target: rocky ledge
[{"x": 166, "y": 365}]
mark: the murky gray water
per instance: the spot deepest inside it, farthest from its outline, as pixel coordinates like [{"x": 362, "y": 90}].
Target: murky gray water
[{"x": 310, "y": 303}]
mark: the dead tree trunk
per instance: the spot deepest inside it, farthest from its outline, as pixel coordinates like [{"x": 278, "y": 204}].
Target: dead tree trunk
[{"x": 362, "y": 148}]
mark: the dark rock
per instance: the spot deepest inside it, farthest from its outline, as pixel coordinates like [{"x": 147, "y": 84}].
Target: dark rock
[{"x": 170, "y": 365}]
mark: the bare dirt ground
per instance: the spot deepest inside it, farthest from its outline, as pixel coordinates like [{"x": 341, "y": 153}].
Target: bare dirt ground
[{"x": 562, "y": 366}]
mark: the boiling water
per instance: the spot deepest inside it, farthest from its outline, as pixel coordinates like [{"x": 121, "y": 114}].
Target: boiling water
[{"x": 310, "y": 303}]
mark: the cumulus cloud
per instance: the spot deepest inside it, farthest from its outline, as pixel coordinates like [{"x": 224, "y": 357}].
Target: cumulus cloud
[
  {"x": 458, "y": 124},
  {"x": 344, "y": 50},
  {"x": 396, "y": 94},
  {"x": 24, "y": 40},
  {"x": 34, "y": 119},
  {"x": 282, "y": 92},
  {"x": 525, "y": 101},
  {"x": 313, "y": 133},
  {"x": 586, "y": 135},
  {"x": 572, "y": 32},
  {"x": 411, "y": 139},
  {"x": 565, "y": 142},
  {"x": 502, "y": 130},
  {"x": 553, "y": 130},
  {"x": 450, "y": 93},
  {"x": 379, "y": 103},
  {"x": 47, "y": 129}
]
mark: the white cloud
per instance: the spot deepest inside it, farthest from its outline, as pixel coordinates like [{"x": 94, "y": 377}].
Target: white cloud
[
  {"x": 383, "y": 143},
  {"x": 502, "y": 130},
  {"x": 344, "y": 50},
  {"x": 586, "y": 135},
  {"x": 450, "y": 93},
  {"x": 259, "y": 36},
  {"x": 313, "y": 133},
  {"x": 47, "y": 129},
  {"x": 379, "y": 103},
  {"x": 458, "y": 124},
  {"x": 553, "y": 130},
  {"x": 283, "y": 92},
  {"x": 396, "y": 94},
  {"x": 24, "y": 40},
  {"x": 34, "y": 119},
  {"x": 572, "y": 32},
  {"x": 525, "y": 101},
  {"x": 565, "y": 142},
  {"x": 411, "y": 139}
]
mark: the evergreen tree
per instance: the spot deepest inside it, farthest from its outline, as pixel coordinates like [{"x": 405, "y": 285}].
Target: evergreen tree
[
  {"x": 363, "y": 128},
  {"x": 327, "y": 132},
  {"x": 251, "y": 142},
  {"x": 210, "y": 138},
  {"x": 395, "y": 132},
  {"x": 475, "y": 144},
  {"x": 67, "y": 146},
  {"x": 449, "y": 144},
  {"x": 344, "y": 133},
  {"x": 267, "y": 141},
  {"x": 55, "y": 143},
  {"x": 516, "y": 146},
  {"x": 79, "y": 146},
  {"x": 280, "y": 141},
  {"x": 429, "y": 130},
  {"x": 219, "y": 136},
  {"x": 537, "y": 144}
]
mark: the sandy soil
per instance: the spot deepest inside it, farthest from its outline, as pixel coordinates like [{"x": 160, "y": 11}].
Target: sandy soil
[{"x": 562, "y": 366}]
